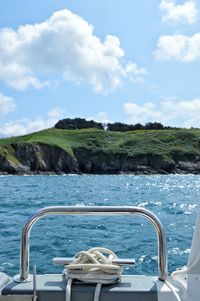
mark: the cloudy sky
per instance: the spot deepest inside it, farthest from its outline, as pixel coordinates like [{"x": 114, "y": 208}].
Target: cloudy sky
[{"x": 129, "y": 61}]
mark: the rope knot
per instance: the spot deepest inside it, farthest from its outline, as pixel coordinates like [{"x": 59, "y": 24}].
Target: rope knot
[{"x": 93, "y": 266}]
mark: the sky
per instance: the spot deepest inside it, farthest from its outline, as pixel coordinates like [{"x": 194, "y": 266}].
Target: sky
[{"x": 109, "y": 60}]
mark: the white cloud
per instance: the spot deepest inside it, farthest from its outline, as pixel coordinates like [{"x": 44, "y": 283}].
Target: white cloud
[
  {"x": 186, "y": 112},
  {"x": 56, "y": 113},
  {"x": 21, "y": 127},
  {"x": 64, "y": 46},
  {"x": 178, "y": 13},
  {"x": 101, "y": 117},
  {"x": 142, "y": 113},
  {"x": 7, "y": 104},
  {"x": 183, "y": 113},
  {"x": 27, "y": 125},
  {"x": 178, "y": 47}
]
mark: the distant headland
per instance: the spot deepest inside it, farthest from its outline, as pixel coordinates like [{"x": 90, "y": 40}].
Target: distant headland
[{"x": 81, "y": 146}]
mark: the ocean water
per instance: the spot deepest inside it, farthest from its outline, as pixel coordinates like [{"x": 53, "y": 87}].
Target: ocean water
[{"x": 175, "y": 199}]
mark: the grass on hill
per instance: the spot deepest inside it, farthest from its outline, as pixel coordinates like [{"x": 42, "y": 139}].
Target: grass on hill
[{"x": 171, "y": 144}]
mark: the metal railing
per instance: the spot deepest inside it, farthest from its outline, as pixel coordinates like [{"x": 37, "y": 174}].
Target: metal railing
[{"x": 90, "y": 210}]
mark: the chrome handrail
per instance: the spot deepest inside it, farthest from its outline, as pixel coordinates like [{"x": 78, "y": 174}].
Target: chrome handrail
[{"x": 90, "y": 210}]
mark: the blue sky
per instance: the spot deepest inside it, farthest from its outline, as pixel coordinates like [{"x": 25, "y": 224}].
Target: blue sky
[{"x": 129, "y": 61}]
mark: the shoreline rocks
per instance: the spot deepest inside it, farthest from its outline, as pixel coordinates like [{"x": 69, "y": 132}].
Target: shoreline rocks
[{"x": 45, "y": 159}]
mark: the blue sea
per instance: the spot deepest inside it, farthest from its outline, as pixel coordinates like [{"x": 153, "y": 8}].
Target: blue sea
[{"x": 175, "y": 199}]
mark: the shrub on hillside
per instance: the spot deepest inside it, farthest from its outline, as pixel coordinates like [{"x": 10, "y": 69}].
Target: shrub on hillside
[{"x": 77, "y": 123}]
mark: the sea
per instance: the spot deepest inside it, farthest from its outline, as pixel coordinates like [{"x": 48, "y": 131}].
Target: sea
[{"x": 175, "y": 199}]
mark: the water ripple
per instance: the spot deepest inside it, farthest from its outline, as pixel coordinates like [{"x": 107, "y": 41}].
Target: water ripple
[{"x": 175, "y": 199}]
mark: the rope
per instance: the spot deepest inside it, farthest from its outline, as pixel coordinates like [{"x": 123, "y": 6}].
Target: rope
[
  {"x": 173, "y": 289},
  {"x": 92, "y": 266}
]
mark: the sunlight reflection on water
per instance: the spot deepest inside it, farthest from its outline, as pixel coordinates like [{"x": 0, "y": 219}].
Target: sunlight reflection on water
[{"x": 174, "y": 199}]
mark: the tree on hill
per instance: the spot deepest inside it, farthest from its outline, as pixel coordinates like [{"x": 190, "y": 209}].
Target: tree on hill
[
  {"x": 77, "y": 123},
  {"x": 81, "y": 123},
  {"x": 153, "y": 126},
  {"x": 122, "y": 127}
]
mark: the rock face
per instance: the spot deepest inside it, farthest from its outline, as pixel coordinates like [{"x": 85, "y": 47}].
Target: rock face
[
  {"x": 106, "y": 163},
  {"x": 37, "y": 158}
]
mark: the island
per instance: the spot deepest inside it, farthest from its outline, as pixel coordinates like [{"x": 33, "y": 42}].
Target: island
[{"x": 93, "y": 148}]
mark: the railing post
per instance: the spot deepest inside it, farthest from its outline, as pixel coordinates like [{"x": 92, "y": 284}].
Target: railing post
[{"x": 90, "y": 210}]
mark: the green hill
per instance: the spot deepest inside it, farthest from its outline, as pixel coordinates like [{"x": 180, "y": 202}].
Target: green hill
[{"x": 98, "y": 151}]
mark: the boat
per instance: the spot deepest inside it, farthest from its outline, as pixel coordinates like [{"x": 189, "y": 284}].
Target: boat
[{"x": 181, "y": 285}]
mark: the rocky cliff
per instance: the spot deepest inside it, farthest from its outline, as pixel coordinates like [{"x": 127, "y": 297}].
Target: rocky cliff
[{"x": 38, "y": 158}]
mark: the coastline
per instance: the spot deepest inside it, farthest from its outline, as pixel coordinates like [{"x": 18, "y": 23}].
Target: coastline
[
  {"x": 94, "y": 151},
  {"x": 137, "y": 173}
]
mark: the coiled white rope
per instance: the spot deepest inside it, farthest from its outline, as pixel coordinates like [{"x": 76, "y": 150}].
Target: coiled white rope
[{"x": 92, "y": 266}]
